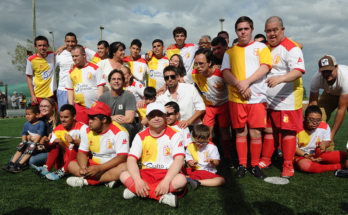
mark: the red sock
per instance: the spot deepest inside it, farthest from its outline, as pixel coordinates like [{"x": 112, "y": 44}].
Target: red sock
[
  {"x": 255, "y": 150},
  {"x": 72, "y": 157},
  {"x": 226, "y": 145},
  {"x": 289, "y": 148},
  {"x": 92, "y": 180},
  {"x": 129, "y": 183},
  {"x": 52, "y": 155},
  {"x": 268, "y": 147},
  {"x": 332, "y": 157},
  {"x": 242, "y": 149},
  {"x": 314, "y": 167}
]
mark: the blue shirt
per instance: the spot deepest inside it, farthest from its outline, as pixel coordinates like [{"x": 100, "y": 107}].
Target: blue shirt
[{"x": 38, "y": 128}]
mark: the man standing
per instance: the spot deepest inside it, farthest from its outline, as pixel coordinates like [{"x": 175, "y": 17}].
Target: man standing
[
  {"x": 245, "y": 67},
  {"x": 86, "y": 83},
  {"x": 205, "y": 42},
  {"x": 284, "y": 96},
  {"x": 161, "y": 152},
  {"x": 225, "y": 35},
  {"x": 15, "y": 100},
  {"x": 137, "y": 65},
  {"x": 219, "y": 48},
  {"x": 103, "y": 49},
  {"x": 333, "y": 78},
  {"x": 41, "y": 67}
]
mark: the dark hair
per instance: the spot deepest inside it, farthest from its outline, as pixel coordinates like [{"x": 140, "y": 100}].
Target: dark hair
[
  {"x": 150, "y": 92},
  {"x": 312, "y": 109},
  {"x": 260, "y": 36},
  {"x": 70, "y": 34},
  {"x": 208, "y": 55},
  {"x": 136, "y": 42},
  {"x": 244, "y": 19},
  {"x": 116, "y": 71},
  {"x": 218, "y": 40},
  {"x": 171, "y": 68},
  {"x": 70, "y": 108},
  {"x": 79, "y": 47},
  {"x": 33, "y": 108},
  {"x": 201, "y": 132},
  {"x": 114, "y": 48},
  {"x": 157, "y": 41},
  {"x": 40, "y": 38},
  {"x": 181, "y": 66},
  {"x": 235, "y": 40},
  {"x": 173, "y": 105},
  {"x": 179, "y": 30},
  {"x": 100, "y": 117},
  {"x": 105, "y": 43},
  {"x": 223, "y": 32},
  {"x": 264, "y": 41}
]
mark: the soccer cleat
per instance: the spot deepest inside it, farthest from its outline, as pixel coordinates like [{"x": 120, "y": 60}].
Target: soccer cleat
[
  {"x": 40, "y": 171},
  {"x": 169, "y": 199},
  {"x": 127, "y": 194},
  {"x": 75, "y": 181},
  {"x": 257, "y": 172},
  {"x": 288, "y": 171},
  {"x": 8, "y": 166},
  {"x": 58, "y": 174},
  {"x": 195, "y": 184},
  {"x": 228, "y": 163},
  {"x": 265, "y": 165},
  {"x": 241, "y": 171},
  {"x": 16, "y": 168},
  {"x": 113, "y": 184}
]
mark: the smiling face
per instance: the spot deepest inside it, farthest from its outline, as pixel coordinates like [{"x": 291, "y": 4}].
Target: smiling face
[
  {"x": 204, "y": 43},
  {"x": 102, "y": 51},
  {"x": 274, "y": 33},
  {"x": 46, "y": 108},
  {"x": 219, "y": 51},
  {"x": 156, "y": 119},
  {"x": 31, "y": 116},
  {"x": 157, "y": 49},
  {"x": 66, "y": 119},
  {"x": 174, "y": 61},
  {"x": 171, "y": 117},
  {"x": 119, "y": 53},
  {"x": 70, "y": 42},
  {"x": 116, "y": 82}
]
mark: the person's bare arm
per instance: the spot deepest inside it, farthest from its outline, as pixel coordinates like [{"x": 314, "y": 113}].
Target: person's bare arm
[
  {"x": 31, "y": 89},
  {"x": 341, "y": 111},
  {"x": 140, "y": 186},
  {"x": 185, "y": 123},
  {"x": 258, "y": 74},
  {"x": 230, "y": 78},
  {"x": 324, "y": 145},
  {"x": 71, "y": 97},
  {"x": 299, "y": 44},
  {"x": 59, "y": 50},
  {"x": 128, "y": 118},
  {"x": 145, "y": 122},
  {"x": 96, "y": 169},
  {"x": 82, "y": 162},
  {"x": 313, "y": 98},
  {"x": 100, "y": 90},
  {"x": 288, "y": 77}
]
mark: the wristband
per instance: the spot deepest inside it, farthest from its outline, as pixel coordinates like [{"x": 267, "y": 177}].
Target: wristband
[{"x": 305, "y": 154}]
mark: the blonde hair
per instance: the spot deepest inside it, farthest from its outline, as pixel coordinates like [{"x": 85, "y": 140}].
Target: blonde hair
[
  {"x": 55, "y": 111},
  {"x": 129, "y": 72}
]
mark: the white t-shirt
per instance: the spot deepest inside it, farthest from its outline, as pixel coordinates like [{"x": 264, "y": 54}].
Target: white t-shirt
[
  {"x": 185, "y": 133},
  {"x": 137, "y": 89},
  {"x": 209, "y": 151}
]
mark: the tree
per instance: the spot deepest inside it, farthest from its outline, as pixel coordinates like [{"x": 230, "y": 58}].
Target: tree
[{"x": 304, "y": 94}]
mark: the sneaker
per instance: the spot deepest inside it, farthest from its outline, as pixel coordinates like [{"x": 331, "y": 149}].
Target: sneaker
[
  {"x": 257, "y": 172},
  {"x": 241, "y": 172},
  {"x": 228, "y": 163},
  {"x": 8, "y": 166},
  {"x": 16, "y": 168},
  {"x": 280, "y": 152},
  {"x": 194, "y": 184},
  {"x": 113, "y": 184},
  {"x": 40, "y": 171},
  {"x": 265, "y": 165},
  {"x": 75, "y": 181},
  {"x": 169, "y": 199},
  {"x": 127, "y": 194},
  {"x": 288, "y": 171},
  {"x": 58, "y": 174}
]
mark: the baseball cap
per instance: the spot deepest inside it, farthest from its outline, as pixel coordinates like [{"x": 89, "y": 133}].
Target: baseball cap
[
  {"x": 155, "y": 106},
  {"x": 99, "y": 108},
  {"x": 15, "y": 92},
  {"x": 327, "y": 62}
]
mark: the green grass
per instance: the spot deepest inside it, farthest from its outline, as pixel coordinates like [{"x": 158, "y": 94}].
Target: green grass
[{"x": 25, "y": 193}]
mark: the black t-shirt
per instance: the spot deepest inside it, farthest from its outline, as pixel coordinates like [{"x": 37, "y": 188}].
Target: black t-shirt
[{"x": 217, "y": 61}]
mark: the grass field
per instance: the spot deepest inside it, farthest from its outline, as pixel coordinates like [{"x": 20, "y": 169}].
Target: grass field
[{"x": 25, "y": 193}]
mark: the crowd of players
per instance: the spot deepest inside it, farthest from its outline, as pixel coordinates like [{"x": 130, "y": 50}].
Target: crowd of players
[{"x": 148, "y": 121}]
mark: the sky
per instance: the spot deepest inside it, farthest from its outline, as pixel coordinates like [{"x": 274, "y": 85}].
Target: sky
[{"x": 320, "y": 26}]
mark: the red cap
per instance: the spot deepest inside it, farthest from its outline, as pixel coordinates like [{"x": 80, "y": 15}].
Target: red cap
[{"x": 99, "y": 108}]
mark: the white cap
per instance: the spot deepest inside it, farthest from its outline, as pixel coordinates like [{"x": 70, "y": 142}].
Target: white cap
[{"x": 155, "y": 106}]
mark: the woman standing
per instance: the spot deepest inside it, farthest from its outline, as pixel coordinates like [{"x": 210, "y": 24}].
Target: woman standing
[{"x": 3, "y": 105}]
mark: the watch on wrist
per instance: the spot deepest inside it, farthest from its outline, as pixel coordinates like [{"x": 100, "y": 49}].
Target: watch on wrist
[{"x": 305, "y": 154}]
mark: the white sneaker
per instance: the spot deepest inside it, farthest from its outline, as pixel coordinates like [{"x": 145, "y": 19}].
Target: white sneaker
[
  {"x": 75, "y": 181},
  {"x": 127, "y": 194},
  {"x": 169, "y": 199}
]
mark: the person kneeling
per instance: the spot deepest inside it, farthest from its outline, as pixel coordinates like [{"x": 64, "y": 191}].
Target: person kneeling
[
  {"x": 311, "y": 155},
  {"x": 108, "y": 142}
]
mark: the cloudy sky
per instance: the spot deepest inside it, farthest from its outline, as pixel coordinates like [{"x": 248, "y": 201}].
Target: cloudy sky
[{"x": 320, "y": 26}]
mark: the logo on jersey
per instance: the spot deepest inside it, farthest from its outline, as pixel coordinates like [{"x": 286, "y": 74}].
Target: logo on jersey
[
  {"x": 325, "y": 62},
  {"x": 299, "y": 60},
  {"x": 283, "y": 99},
  {"x": 147, "y": 153},
  {"x": 257, "y": 51},
  {"x": 120, "y": 107},
  {"x": 77, "y": 88},
  {"x": 40, "y": 66},
  {"x": 91, "y": 143},
  {"x": 89, "y": 75},
  {"x": 180, "y": 144},
  {"x": 140, "y": 86},
  {"x": 318, "y": 141},
  {"x": 205, "y": 154},
  {"x": 277, "y": 59},
  {"x": 124, "y": 141},
  {"x": 216, "y": 85},
  {"x": 188, "y": 135},
  {"x": 188, "y": 55},
  {"x": 286, "y": 118},
  {"x": 166, "y": 150},
  {"x": 108, "y": 144},
  {"x": 140, "y": 70},
  {"x": 165, "y": 64}
]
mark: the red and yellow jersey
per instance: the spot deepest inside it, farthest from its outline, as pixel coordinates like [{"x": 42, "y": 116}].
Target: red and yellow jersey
[
  {"x": 286, "y": 56},
  {"x": 105, "y": 146},
  {"x": 213, "y": 87},
  {"x": 142, "y": 112},
  {"x": 138, "y": 68},
  {"x": 96, "y": 58},
  {"x": 187, "y": 53},
  {"x": 75, "y": 133},
  {"x": 85, "y": 81},
  {"x": 307, "y": 141},
  {"x": 42, "y": 70},
  {"x": 243, "y": 61},
  {"x": 137, "y": 89},
  {"x": 209, "y": 151},
  {"x": 156, "y": 66},
  {"x": 185, "y": 133},
  {"x": 157, "y": 152}
]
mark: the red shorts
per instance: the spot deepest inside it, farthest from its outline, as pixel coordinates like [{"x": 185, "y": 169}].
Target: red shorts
[
  {"x": 253, "y": 114},
  {"x": 285, "y": 119},
  {"x": 80, "y": 115},
  {"x": 155, "y": 176},
  {"x": 199, "y": 174},
  {"x": 222, "y": 112},
  {"x": 54, "y": 97}
]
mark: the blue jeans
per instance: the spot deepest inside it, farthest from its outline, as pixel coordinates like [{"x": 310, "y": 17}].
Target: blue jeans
[
  {"x": 37, "y": 159},
  {"x": 62, "y": 98}
]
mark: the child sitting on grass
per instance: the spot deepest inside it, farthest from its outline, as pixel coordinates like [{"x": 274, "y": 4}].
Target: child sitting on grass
[
  {"x": 202, "y": 158},
  {"x": 35, "y": 128}
]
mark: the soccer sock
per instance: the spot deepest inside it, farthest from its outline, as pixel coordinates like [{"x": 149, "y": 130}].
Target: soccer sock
[
  {"x": 333, "y": 157},
  {"x": 314, "y": 167},
  {"x": 268, "y": 148},
  {"x": 255, "y": 151},
  {"x": 289, "y": 148},
  {"x": 226, "y": 145},
  {"x": 92, "y": 180},
  {"x": 242, "y": 149},
  {"x": 129, "y": 183},
  {"x": 52, "y": 156}
]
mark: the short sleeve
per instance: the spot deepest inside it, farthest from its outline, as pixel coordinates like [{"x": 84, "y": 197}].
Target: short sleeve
[
  {"x": 315, "y": 83},
  {"x": 131, "y": 102},
  {"x": 225, "y": 62},
  {"x": 41, "y": 128},
  {"x": 25, "y": 129},
  {"x": 214, "y": 154},
  {"x": 188, "y": 155},
  {"x": 69, "y": 84},
  {"x": 53, "y": 137},
  {"x": 265, "y": 57},
  {"x": 327, "y": 134},
  {"x": 137, "y": 148},
  {"x": 197, "y": 99},
  {"x": 296, "y": 61},
  {"x": 84, "y": 144},
  {"x": 177, "y": 145},
  {"x": 29, "y": 68},
  {"x": 89, "y": 54},
  {"x": 121, "y": 143},
  {"x": 100, "y": 77}
]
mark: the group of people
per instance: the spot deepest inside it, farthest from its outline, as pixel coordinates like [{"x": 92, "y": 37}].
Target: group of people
[{"x": 148, "y": 121}]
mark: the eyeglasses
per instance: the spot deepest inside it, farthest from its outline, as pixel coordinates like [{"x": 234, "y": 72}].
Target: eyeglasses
[
  {"x": 312, "y": 121},
  {"x": 171, "y": 76},
  {"x": 201, "y": 143},
  {"x": 45, "y": 106},
  {"x": 203, "y": 43},
  {"x": 200, "y": 64}
]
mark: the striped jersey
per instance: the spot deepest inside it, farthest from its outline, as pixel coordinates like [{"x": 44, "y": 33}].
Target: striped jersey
[
  {"x": 105, "y": 146},
  {"x": 157, "y": 152},
  {"x": 187, "y": 53},
  {"x": 185, "y": 133},
  {"x": 138, "y": 68},
  {"x": 243, "y": 61},
  {"x": 75, "y": 133},
  {"x": 213, "y": 87},
  {"x": 137, "y": 89},
  {"x": 42, "y": 70},
  {"x": 286, "y": 56},
  {"x": 85, "y": 81},
  {"x": 209, "y": 151},
  {"x": 156, "y": 66}
]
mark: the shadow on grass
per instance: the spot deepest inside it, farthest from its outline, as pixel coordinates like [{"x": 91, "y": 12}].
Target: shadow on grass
[
  {"x": 29, "y": 210},
  {"x": 271, "y": 208},
  {"x": 344, "y": 206}
]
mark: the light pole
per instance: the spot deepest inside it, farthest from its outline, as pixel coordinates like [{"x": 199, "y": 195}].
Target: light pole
[
  {"x": 34, "y": 23},
  {"x": 222, "y": 20},
  {"x": 51, "y": 32},
  {"x": 101, "y": 29}
]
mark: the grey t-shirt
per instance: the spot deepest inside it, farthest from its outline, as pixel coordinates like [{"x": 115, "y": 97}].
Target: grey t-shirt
[
  {"x": 119, "y": 104},
  {"x": 16, "y": 103}
]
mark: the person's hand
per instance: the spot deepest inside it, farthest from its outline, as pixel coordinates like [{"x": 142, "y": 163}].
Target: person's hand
[
  {"x": 49, "y": 136},
  {"x": 171, "y": 46},
  {"x": 247, "y": 94},
  {"x": 83, "y": 171},
  {"x": 183, "y": 124},
  {"x": 274, "y": 81},
  {"x": 148, "y": 55},
  {"x": 217, "y": 66},
  {"x": 44, "y": 140},
  {"x": 162, "y": 188},
  {"x": 141, "y": 188},
  {"x": 211, "y": 161},
  {"x": 93, "y": 170},
  {"x": 118, "y": 118},
  {"x": 322, "y": 147},
  {"x": 311, "y": 158},
  {"x": 72, "y": 66},
  {"x": 169, "y": 109},
  {"x": 140, "y": 104},
  {"x": 242, "y": 86},
  {"x": 162, "y": 90},
  {"x": 68, "y": 138},
  {"x": 59, "y": 50},
  {"x": 34, "y": 99},
  {"x": 192, "y": 163}
]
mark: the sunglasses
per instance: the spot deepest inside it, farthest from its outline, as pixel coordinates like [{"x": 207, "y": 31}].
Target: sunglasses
[{"x": 171, "y": 77}]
